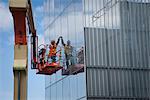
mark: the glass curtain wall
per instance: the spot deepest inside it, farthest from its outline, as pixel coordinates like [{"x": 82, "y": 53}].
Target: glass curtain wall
[
  {"x": 64, "y": 18},
  {"x": 117, "y": 49}
]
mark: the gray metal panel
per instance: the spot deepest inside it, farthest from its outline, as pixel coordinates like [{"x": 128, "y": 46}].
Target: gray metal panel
[
  {"x": 117, "y": 59},
  {"x": 110, "y": 48},
  {"x": 117, "y": 83}
]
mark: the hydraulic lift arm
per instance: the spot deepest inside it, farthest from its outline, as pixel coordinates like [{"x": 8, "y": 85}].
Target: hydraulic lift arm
[
  {"x": 22, "y": 13},
  {"x": 34, "y": 38}
]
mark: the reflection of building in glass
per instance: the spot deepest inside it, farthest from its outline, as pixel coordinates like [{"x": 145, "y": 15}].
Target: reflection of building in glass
[
  {"x": 65, "y": 18},
  {"x": 116, "y": 37}
]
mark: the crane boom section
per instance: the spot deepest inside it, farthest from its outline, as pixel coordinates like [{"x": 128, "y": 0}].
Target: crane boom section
[{"x": 22, "y": 14}]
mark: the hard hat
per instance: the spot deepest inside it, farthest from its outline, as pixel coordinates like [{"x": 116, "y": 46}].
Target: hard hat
[
  {"x": 68, "y": 42},
  {"x": 53, "y": 42}
]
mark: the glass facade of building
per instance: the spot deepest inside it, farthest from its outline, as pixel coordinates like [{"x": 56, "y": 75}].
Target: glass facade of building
[
  {"x": 65, "y": 18},
  {"x": 115, "y": 37}
]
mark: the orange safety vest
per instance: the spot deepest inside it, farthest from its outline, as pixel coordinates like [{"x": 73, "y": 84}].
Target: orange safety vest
[{"x": 52, "y": 51}]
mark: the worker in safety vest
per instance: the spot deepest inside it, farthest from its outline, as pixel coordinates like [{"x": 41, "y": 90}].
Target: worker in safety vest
[
  {"x": 52, "y": 50},
  {"x": 68, "y": 52}
]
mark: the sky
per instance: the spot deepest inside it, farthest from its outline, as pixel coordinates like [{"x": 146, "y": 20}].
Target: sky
[{"x": 36, "y": 83}]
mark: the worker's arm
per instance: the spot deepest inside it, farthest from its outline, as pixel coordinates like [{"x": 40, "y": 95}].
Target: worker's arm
[
  {"x": 62, "y": 41},
  {"x": 58, "y": 41}
]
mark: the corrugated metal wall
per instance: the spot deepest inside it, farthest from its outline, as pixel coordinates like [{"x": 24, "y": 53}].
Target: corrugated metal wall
[{"x": 117, "y": 49}]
